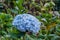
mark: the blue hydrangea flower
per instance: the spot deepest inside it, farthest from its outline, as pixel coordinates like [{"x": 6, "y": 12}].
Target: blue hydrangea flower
[{"x": 28, "y": 22}]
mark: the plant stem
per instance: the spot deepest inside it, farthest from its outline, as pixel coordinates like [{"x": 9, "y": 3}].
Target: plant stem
[{"x": 23, "y": 37}]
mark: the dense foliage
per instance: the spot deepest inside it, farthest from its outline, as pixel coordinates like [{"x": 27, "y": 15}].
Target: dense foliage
[{"x": 17, "y": 15}]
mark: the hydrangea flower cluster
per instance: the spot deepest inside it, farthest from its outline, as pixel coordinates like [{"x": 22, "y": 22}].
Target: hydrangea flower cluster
[{"x": 27, "y": 22}]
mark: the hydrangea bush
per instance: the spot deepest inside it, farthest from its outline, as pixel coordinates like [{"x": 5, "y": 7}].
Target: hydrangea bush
[{"x": 17, "y": 27}]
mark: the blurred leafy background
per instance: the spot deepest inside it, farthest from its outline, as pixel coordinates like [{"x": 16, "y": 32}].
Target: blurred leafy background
[{"x": 47, "y": 11}]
